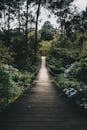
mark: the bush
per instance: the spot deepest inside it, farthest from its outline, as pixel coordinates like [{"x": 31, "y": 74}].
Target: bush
[
  {"x": 79, "y": 71},
  {"x": 73, "y": 89},
  {"x": 55, "y": 65},
  {"x": 12, "y": 84},
  {"x": 6, "y": 56},
  {"x": 60, "y": 58},
  {"x": 67, "y": 83}
]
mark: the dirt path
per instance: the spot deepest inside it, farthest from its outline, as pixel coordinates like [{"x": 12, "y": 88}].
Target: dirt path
[{"x": 43, "y": 108}]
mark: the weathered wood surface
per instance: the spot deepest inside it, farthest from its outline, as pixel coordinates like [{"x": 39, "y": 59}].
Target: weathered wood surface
[{"x": 42, "y": 108}]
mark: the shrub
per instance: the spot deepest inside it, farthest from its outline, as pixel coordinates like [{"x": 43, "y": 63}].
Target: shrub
[
  {"x": 12, "y": 84},
  {"x": 79, "y": 71}
]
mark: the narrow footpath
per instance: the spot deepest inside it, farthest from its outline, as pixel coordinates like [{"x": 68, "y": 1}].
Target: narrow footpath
[{"x": 42, "y": 108}]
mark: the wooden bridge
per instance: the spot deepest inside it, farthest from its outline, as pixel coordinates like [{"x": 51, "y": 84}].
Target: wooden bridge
[{"x": 42, "y": 108}]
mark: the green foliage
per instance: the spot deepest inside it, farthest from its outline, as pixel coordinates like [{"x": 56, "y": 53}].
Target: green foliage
[
  {"x": 55, "y": 65},
  {"x": 18, "y": 46},
  {"x": 80, "y": 42},
  {"x": 47, "y": 31},
  {"x": 65, "y": 42},
  {"x": 81, "y": 88},
  {"x": 12, "y": 84},
  {"x": 5, "y": 55},
  {"x": 60, "y": 58},
  {"x": 79, "y": 70},
  {"x": 68, "y": 83},
  {"x": 44, "y": 47}
]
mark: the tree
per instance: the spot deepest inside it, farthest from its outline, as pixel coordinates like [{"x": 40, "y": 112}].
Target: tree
[
  {"x": 36, "y": 27},
  {"x": 84, "y": 19},
  {"x": 45, "y": 47},
  {"x": 6, "y": 57},
  {"x": 47, "y": 31},
  {"x": 61, "y": 9}
]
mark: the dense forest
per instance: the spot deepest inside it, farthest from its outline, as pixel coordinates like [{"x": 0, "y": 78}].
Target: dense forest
[
  {"x": 67, "y": 58},
  {"x": 22, "y": 44}
]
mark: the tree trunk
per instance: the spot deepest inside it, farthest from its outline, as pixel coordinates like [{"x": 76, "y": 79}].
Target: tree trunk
[
  {"x": 26, "y": 25},
  {"x": 26, "y": 37},
  {"x": 4, "y": 14},
  {"x": 36, "y": 28},
  {"x": 19, "y": 17},
  {"x": 8, "y": 26},
  {"x": 4, "y": 19}
]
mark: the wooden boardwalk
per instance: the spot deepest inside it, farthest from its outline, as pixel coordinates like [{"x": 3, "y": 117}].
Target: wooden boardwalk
[{"x": 42, "y": 108}]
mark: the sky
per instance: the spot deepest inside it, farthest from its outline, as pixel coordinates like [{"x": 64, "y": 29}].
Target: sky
[{"x": 81, "y": 4}]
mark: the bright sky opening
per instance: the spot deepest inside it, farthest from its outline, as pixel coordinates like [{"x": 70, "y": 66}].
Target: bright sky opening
[{"x": 81, "y": 4}]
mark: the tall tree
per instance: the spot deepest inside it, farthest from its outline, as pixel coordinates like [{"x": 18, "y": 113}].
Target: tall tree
[
  {"x": 36, "y": 27},
  {"x": 47, "y": 31},
  {"x": 61, "y": 9}
]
